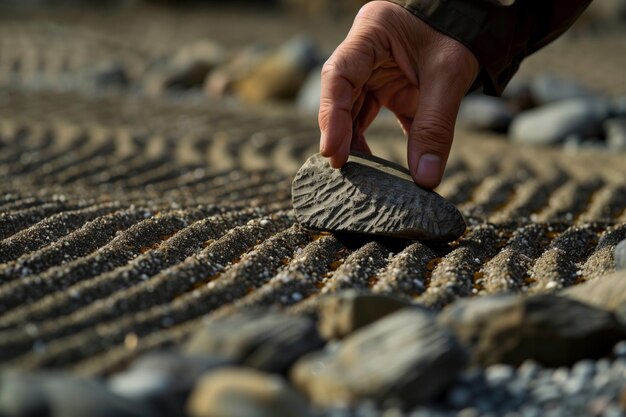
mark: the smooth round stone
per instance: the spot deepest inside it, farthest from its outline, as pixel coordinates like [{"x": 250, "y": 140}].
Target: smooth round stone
[
  {"x": 620, "y": 255},
  {"x": 553, "y": 123},
  {"x": 370, "y": 195}
]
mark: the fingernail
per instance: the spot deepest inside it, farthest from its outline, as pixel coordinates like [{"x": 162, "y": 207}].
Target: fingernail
[{"x": 429, "y": 166}]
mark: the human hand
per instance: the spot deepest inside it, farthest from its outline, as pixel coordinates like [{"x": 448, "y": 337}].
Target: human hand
[{"x": 392, "y": 58}]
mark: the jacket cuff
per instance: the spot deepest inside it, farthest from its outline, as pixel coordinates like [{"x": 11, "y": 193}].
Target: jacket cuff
[{"x": 479, "y": 25}]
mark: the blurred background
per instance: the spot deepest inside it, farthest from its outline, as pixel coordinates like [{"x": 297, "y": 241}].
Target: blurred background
[{"x": 269, "y": 53}]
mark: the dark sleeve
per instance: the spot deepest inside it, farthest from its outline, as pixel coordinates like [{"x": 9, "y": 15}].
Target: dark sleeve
[{"x": 501, "y": 33}]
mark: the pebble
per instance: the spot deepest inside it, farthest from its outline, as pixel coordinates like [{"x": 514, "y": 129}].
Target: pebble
[
  {"x": 370, "y": 195},
  {"x": 549, "y": 88},
  {"x": 163, "y": 380},
  {"x": 553, "y": 123},
  {"x": 607, "y": 292},
  {"x": 550, "y": 329},
  {"x": 240, "y": 392},
  {"x": 404, "y": 357},
  {"x": 308, "y": 98},
  {"x": 615, "y": 131},
  {"x": 281, "y": 74},
  {"x": 53, "y": 394},
  {"x": 347, "y": 311},
  {"x": 270, "y": 342},
  {"x": 480, "y": 112}
]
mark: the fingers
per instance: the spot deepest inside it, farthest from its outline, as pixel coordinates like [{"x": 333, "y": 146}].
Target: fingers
[
  {"x": 343, "y": 78},
  {"x": 432, "y": 130},
  {"x": 368, "y": 112}
]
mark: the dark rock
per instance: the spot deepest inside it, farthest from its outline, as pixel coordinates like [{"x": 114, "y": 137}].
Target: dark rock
[
  {"x": 615, "y": 131},
  {"x": 372, "y": 196},
  {"x": 606, "y": 292},
  {"x": 110, "y": 75},
  {"x": 239, "y": 392},
  {"x": 552, "y": 330},
  {"x": 60, "y": 395},
  {"x": 482, "y": 112},
  {"x": 186, "y": 69},
  {"x": 404, "y": 356},
  {"x": 549, "y": 88},
  {"x": 268, "y": 341},
  {"x": 342, "y": 313},
  {"x": 553, "y": 123},
  {"x": 620, "y": 256},
  {"x": 163, "y": 379}
]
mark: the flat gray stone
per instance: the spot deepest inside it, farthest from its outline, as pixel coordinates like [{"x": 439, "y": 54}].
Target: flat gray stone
[
  {"x": 270, "y": 342},
  {"x": 480, "y": 112},
  {"x": 403, "y": 357},
  {"x": 552, "y": 330},
  {"x": 620, "y": 255},
  {"x": 343, "y": 313},
  {"x": 55, "y": 394},
  {"x": 240, "y": 392},
  {"x": 370, "y": 195},
  {"x": 163, "y": 379},
  {"x": 553, "y": 123},
  {"x": 607, "y": 292}
]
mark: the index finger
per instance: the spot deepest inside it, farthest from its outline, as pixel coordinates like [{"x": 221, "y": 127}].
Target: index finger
[{"x": 343, "y": 77}]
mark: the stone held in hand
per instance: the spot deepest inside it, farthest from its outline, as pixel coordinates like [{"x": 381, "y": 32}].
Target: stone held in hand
[{"x": 370, "y": 195}]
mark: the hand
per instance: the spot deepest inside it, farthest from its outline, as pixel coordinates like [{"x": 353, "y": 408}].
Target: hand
[{"x": 392, "y": 58}]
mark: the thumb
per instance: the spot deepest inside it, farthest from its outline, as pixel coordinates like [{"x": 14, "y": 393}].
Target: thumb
[{"x": 432, "y": 130}]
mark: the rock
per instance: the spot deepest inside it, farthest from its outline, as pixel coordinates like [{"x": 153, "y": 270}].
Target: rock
[
  {"x": 480, "y": 112},
  {"x": 308, "y": 98},
  {"x": 163, "y": 380},
  {"x": 607, "y": 292},
  {"x": 550, "y": 329},
  {"x": 615, "y": 131},
  {"x": 404, "y": 356},
  {"x": 620, "y": 256},
  {"x": 372, "y": 196},
  {"x": 239, "y": 392},
  {"x": 280, "y": 75},
  {"x": 222, "y": 80},
  {"x": 186, "y": 69},
  {"x": 518, "y": 95},
  {"x": 59, "y": 395},
  {"x": 111, "y": 74},
  {"x": 343, "y": 313},
  {"x": 270, "y": 342},
  {"x": 553, "y": 123},
  {"x": 549, "y": 88}
]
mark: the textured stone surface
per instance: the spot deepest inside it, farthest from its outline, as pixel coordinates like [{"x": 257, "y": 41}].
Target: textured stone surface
[
  {"x": 342, "y": 313},
  {"x": 606, "y": 292},
  {"x": 267, "y": 341},
  {"x": 60, "y": 395},
  {"x": 163, "y": 380},
  {"x": 552, "y": 330},
  {"x": 373, "y": 196},
  {"x": 239, "y": 392},
  {"x": 404, "y": 356}
]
